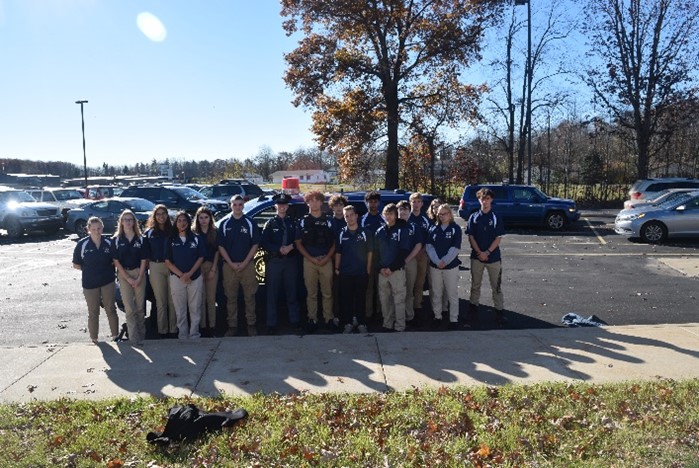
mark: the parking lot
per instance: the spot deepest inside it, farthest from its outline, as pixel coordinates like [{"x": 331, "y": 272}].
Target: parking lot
[{"x": 587, "y": 269}]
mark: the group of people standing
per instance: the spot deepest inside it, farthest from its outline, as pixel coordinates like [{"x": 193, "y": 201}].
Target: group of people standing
[{"x": 374, "y": 264}]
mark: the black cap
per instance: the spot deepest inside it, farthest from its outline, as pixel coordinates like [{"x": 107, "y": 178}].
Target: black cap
[{"x": 282, "y": 198}]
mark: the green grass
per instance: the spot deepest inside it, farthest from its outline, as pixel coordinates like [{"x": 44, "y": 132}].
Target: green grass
[{"x": 573, "y": 425}]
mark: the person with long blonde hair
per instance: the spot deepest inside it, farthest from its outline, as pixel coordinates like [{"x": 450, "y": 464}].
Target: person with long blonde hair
[
  {"x": 130, "y": 259},
  {"x": 204, "y": 227},
  {"x": 443, "y": 246}
]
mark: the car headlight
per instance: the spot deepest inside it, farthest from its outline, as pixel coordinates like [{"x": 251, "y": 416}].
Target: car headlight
[
  {"x": 28, "y": 213},
  {"x": 632, "y": 217}
]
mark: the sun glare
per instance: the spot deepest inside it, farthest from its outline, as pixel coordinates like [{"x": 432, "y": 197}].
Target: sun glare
[{"x": 151, "y": 27}]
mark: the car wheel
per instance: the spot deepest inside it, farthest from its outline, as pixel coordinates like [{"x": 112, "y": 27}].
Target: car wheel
[
  {"x": 653, "y": 232},
  {"x": 260, "y": 265},
  {"x": 81, "y": 228},
  {"x": 555, "y": 221},
  {"x": 14, "y": 228}
]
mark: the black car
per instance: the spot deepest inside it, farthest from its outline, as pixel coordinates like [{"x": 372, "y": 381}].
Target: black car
[
  {"x": 226, "y": 189},
  {"x": 178, "y": 197}
]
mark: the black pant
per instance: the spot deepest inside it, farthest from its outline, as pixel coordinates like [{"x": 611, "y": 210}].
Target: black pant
[{"x": 353, "y": 298}]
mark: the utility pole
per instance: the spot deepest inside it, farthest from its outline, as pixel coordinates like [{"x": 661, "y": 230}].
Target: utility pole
[
  {"x": 82, "y": 118},
  {"x": 529, "y": 87}
]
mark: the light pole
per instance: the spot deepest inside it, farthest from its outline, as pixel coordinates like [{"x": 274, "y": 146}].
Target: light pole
[
  {"x": 82, "y": 118},
  {"x": 529, "y": 87}
]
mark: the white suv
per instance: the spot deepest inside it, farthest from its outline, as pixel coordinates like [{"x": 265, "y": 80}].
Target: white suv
[
  {"x": 648, "y": 188},
  {"x": 19, "y": 212},
  {"x": 64, "y": 198}
]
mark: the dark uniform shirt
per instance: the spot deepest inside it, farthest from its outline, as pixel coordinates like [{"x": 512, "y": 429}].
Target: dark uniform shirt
[
  {"x": 184, "y": 254},
  {"x": 211, "y": 247},
  {"x": 372, "y": 222},
  {"x": 156, "y": 243},
  {"x": 415, "y": 235},
  {"x": 96, "y": 264},
  {"x": 393, "y": 245},
  {"x": 130, "y": 253},
  {"x": 338, "y": 224},
  {"x": 485, "y": 228},
  {"x": 422, "y": 223},
  {"x": 443, "y": 239},
  {"x": 316, "y": 234},
  {"x": 238, "y": 236},
  {"x": 354, "y": 247},
  {"x": 274, "y": 237}
]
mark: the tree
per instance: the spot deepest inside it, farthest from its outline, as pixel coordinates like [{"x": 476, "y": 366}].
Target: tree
[
  {"x": 646, "y": 53},
  {"x": 359, "y": 63}
]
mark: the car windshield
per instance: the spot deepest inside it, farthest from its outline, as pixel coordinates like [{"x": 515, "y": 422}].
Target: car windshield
[
  {"x": 62, "y": 195},
  {"x": 252, "y": 190},
  {"x": 541, "y": 194},
  {"x": 19, "y": 197},
  {"x": 188, "y": 193},
  {"x": 140, "y": 205}
]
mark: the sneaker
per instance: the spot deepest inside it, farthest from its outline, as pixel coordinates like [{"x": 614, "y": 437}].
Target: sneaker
[
  {"x": 333, "y": 325},
  {"x": 252, "y": 330},
  {"x": 348, "y": 329},
  {"x": 362, "y": 329},
  {"x": 232, "y": 331}
]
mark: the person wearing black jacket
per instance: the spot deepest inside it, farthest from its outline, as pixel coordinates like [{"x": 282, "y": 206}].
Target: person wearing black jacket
[{"x": 393, "y": 245}]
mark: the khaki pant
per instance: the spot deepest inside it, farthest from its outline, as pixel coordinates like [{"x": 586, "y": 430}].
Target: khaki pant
[
  {"x": 93, "y": 297},
  {"x": 231, "y": 281},
  {"x": 135, "y": 306},
  {"x": 392, "y": 296},
  {"x": 445, "y": 288},
  {"x": 423, "y": 263},
  {"x": 312, "y": 275},
  {"x": 410, "y": 278},
  {"x": 187, "y": 297},
  {"x": 208, "y": 316},
  {"x": 495, "y": 277},
  {"x": 159, "y": 277}
]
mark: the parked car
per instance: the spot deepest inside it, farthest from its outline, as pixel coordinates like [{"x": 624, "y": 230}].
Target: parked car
[
  {"x": 108, "y": 210},
  {"x": 261, "y": 209},
  {"x": 64, "y": 198},
  {"x": 20, "y": 212},
  {"x": 225, "y": 189},
  {"x": 649, "y": 188},
  {"x": 523, "y": 205},
  {"x": 674, "y": 218},
  {"x": 98, "y": 192},
  {"x": 660, "y": 197},
  {"x": 177, "y": 197}
]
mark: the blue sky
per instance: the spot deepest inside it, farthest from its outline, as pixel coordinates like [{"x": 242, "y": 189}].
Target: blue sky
[{"x": 211, "y": 89}]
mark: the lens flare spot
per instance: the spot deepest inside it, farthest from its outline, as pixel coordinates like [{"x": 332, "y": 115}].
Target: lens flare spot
[{"x": 151, "y": 27}]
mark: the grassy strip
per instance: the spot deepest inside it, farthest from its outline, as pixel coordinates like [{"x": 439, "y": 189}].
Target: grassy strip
[{"x": 622, "y": 425}]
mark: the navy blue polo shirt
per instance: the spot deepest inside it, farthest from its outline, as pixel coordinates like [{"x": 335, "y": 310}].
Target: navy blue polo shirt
[
  {"x": 316, "y": 234},
  {"x": 393, "y": 245},
  {"x": 130, "y": 253},
  {"x": 338, "y": 224},
  {"x": 422, "y": 222},
  {"x": 354, "y": 247},
  {"x": 211, "y": 248},
  {"x": 184, "y": 254},
  {"x": 237, "y": 236},
  {"x": 415, "y": 235},
  {"x": 485, "y": 228},
  {"x": 96, "y": 264},
  {"x": 372, "y": 222},
  {"x": 273, "y": 233},
  {"x": 156, "y": 243},
  {"x": 443, "y": 239}
]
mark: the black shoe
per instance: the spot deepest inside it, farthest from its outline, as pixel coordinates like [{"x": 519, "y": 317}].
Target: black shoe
[
  {"x": 500, "y": 319},
  {"x": 296, "y": 328},
  {"x": 455, "y": 326},
  {"x": 387, "y": 330},
  {"x": 437, "y": 324},
  {"x": 272, "y": 330},
  {"x": 311, "y": 326},
  {"x": 333, "y": 326}
]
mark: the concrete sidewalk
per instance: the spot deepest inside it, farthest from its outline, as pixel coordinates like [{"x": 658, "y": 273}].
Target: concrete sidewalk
[{"x": 348, "y": 363}]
